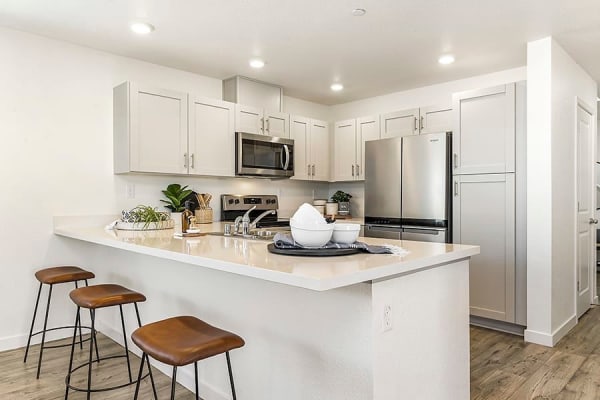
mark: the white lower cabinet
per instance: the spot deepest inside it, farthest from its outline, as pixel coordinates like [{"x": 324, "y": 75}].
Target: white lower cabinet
[
  {"x": 484, "y": 215},
  {"x": 211, "y": 137},
  {"x": 311, "y": 148}
]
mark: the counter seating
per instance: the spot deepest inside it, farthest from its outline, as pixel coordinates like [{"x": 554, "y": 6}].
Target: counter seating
[
  {"x": 181, "y": 341},
  {"x": 93, "y": 298},
  {"x": 54, "y": 276}
]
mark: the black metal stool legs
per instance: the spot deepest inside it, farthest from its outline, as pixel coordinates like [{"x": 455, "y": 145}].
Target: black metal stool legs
[
  {"x": 37, "y": 302},
  {"x": 230, "y": 375},
  {"x": 68, "y": 378},
  {"x": 173, "y": 382},
  {"x": 137, "y": 314},
  {"x": 125, "y": 342},
  {"x": 196, "y": 378},
  {"x": 44, "y": 333}
]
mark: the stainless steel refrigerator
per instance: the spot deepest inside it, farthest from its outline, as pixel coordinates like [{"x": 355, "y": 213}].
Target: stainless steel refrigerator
[{"x": 407, "y": 188}]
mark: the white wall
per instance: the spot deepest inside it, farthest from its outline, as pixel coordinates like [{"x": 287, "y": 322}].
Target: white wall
[
  {"x": 56, "y": 158},
  {"x": 555, "y": 80}
]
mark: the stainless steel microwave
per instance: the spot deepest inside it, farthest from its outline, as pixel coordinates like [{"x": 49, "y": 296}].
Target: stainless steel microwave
[{"x": 262, "y": 155}]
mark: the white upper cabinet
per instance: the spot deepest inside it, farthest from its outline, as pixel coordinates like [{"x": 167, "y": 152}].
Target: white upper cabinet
[
  {"x": 484, "y": 131},
  {"x": 319, "y": 150},
  {"x": 435, "y": 119},
  {"x": 254, "y": 120},
  {"x": 400, "y": 123},
  {"x": 211, "y": 137},
  {"x": 150, "y": 129},
  {"x": 311, "y": 148},
  {"x": 367, "y": 128},
  {"x": 166, "y": 132},
  {"x": 248, "y": 119},
  {"x": 345, "y": 150},
  {"x": 277, "y": 124}
]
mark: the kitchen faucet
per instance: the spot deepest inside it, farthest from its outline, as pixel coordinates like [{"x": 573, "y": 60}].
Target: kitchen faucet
[
  {"x": 245, "y": 221},
  {"x": 261, "y": 216}
]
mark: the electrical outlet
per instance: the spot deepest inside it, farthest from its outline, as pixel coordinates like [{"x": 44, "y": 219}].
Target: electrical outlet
[
  {"x": 130, "y": 190},
  {"x": 387, "y": 318}
]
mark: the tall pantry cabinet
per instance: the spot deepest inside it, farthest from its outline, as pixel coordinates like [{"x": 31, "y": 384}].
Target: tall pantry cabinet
[{"x": 489, "y": 197}]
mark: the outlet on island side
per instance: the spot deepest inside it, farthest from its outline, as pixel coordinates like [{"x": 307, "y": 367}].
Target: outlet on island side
[
  {"x": 387, "y": 318},
  {"x": 130, "y": 188}
]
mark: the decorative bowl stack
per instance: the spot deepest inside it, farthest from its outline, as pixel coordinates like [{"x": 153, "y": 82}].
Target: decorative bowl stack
[{"x": 309, "y": 228}]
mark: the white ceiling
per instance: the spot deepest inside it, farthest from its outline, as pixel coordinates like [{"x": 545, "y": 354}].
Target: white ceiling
[{"x": 308, "y": 44}]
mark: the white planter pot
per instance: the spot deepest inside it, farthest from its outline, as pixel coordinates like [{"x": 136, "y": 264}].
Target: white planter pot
[
  {"x": 331, "y": 209},
  {"x": 176, "y": 216}
]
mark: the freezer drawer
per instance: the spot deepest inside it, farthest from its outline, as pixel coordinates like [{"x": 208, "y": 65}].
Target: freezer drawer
[
  {"x": 422, "y": 234},
  {"x": 383, "y": 232}
]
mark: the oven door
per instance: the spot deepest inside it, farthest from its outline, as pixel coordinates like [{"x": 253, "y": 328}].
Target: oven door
[{"x": 261, "y": 155}]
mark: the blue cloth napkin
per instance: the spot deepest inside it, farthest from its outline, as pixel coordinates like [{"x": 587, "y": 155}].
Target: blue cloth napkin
[{"x": 285, "y": 241}]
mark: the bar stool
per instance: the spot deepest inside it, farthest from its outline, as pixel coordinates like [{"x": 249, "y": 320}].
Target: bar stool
[
  {"x": 93, "y": 298},
  {"x": 181, "y": 341},
  {"x": 53, "y": 276}
]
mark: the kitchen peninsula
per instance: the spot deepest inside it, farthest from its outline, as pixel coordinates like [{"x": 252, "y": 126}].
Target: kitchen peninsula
[{"x": 364, "y": 326}]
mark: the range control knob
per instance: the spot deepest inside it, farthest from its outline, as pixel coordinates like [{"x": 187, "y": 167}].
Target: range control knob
[
  {"x": 230, "y": 201},
  {"x": 237, "y": 201}
]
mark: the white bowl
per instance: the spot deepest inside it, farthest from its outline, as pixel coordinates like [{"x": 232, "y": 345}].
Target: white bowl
[
  {"x": 315, "y": 235},
  {"x": 345, "y": 233}
]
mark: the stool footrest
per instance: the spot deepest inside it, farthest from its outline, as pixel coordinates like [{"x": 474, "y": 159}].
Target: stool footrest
[{"x": 105, "y": 389}]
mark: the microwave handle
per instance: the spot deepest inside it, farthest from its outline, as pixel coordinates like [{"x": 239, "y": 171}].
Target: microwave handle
[{"x": 287, "y": 157}]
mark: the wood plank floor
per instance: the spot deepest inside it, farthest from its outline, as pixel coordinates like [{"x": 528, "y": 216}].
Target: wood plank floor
[{"x": 503, "y": 367}]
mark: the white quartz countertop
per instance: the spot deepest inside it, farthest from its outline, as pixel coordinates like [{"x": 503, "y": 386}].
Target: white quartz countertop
[{"x": 251, "y": 258}]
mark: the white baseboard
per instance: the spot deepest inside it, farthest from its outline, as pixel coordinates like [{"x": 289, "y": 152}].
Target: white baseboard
[
  {"x": 550, "y": 339},
  {"x": 18, "y": 341},
  {"x": 595, "y": 301},
  {"x": 184, "y": 377}
]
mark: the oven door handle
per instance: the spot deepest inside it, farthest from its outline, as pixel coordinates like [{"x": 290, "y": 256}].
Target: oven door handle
[{"x": 287, "y": 157}]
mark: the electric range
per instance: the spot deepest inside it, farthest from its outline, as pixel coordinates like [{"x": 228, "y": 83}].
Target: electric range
[{"x": 234, "y": 205}]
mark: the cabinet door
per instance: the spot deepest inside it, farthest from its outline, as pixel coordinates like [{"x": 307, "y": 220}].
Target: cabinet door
[
  {"x": 435, "y": 119},
  {"x": 484, "y": 131},
  {"x": 367, "y": 128},
  {"x": 300, "y": 133},
  {"x": 211, "y": 137},
  {"x": 158, "y": 123},
  {"x": 319, "y": 150},
  {"x": 248, "y": 119},
  {"x": 484, "y": 215},
  {"x": 400, "y": 123},
  {"x": 277, "y": 124},
  {"x": 344, "y": 150}
]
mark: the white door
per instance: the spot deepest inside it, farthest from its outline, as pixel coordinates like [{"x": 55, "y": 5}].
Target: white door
[
  {"x": 344, "y": 150},
  {"x": 299, "y": 132},
  {"x": 435, "y": 119},
  {"x": 319, "y": 150},
  {"x": 158, "y": 130},
  {"x": 585, "y": 210},
  {"x": 367, "y": 128},
  {"x": 400, "y": 123},
  {"x": 211, "y": 137},
  {"x": 248, "y": 119},
  {"x": 277, "y": 124}
]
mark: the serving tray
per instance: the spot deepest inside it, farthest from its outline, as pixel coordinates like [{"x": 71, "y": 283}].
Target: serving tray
[{"x": 312, "y": 252}]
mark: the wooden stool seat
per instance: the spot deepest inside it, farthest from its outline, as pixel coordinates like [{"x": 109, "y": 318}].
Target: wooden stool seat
[
  {"x": 54, "y": 275},
  {"x": 106, "y": 295},
  {"x": 183, "y": 340}
]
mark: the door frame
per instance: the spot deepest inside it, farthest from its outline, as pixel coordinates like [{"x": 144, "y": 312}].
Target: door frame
[{"x": 592, "y": 273}]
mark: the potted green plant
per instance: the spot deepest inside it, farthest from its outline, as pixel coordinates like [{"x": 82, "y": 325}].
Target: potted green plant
[
  {"x": 144, "y": 217},
  {"x": 176, "y": 195},
  {"x": 343, "y": 200}
]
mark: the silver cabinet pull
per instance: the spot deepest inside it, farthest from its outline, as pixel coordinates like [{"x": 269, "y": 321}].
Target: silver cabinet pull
[
  {"x": 185, "y": 160},
  {"x": 357, "y": 170},
  {"x": 416, "y": 126},
  {"x": 262, "y": 125},
  {"x": 456, "y": 188},
  {"x": 192, "y": 157},
  {"x": 268, "y": 125},
  {"x": 455, "y": 159},
  {"x": 313, "y": 170},
  {"x": 352, "y": 169},
  {"x": 308, "y": 169},
  {"x": 422, "y": 123},
  {"x": 593, "y": 221}
]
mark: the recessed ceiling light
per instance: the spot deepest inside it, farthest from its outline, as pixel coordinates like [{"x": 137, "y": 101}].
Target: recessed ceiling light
[
  {"x": 257, "y": 63},
  {"x": 446, "y": 59},
  {"x": 359, "y": 12},
  {"x": 336, "y": 87},
  {"x": 141, "y": 28}
]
